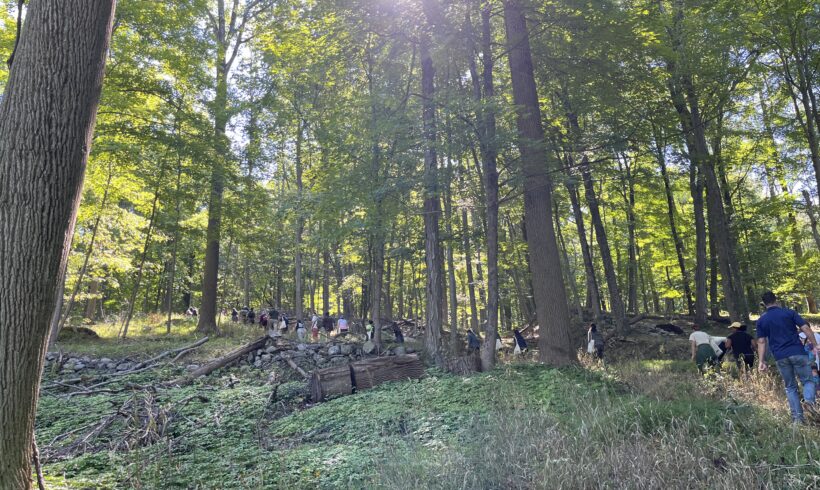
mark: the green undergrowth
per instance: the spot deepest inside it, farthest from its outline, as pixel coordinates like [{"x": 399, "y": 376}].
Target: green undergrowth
[{"x": 520, "y": 426}]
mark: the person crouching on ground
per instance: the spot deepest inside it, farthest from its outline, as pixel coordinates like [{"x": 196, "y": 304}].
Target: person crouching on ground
[
  {"x": 398, "y": 333},
  {"x": 702, "y": 352},
  {"x": 778, "y": 327}
]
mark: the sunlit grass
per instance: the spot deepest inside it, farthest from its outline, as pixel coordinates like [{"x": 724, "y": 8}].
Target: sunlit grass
[{"x": 147, "y": 336}]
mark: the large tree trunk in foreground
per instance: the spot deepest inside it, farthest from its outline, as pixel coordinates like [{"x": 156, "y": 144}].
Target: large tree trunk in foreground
[
  {"x": 432, "y": 207},
  {"x": 552, "y": 311},
  {"x": 489, "y": 157},
  {"x": 696, "y": 189},
  {"x": 46, "y": 123}
]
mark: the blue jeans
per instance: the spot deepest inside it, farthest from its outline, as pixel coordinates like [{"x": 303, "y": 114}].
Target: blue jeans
[{"x": 793, "y": 367}]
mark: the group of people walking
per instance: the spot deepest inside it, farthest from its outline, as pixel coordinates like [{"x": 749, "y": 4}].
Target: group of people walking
[
  {"x": 782, "y": 334},
  {"x": 278, "y": 324}
]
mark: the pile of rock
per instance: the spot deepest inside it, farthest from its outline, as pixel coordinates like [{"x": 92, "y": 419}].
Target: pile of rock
[
  {"x": 84, "y": 363},
  {"x": 316, "y": 356},
  {"x": 306, "y": 356}
]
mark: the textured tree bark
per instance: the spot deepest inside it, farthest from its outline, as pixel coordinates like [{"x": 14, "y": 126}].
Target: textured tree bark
[
  {"x": 696, "y": 189},
  {"x": 468, "y": 265},
  {"x": 451, "y": 268},
  {"x": 432, "y": 207},
  {"x": 169, "y": 294},
  {"x": 300, "y": 224},
  {"x": 489, "y": 164},
  {"x": 228, "y": 27},
  {"x": 210, "y": 275},
  {"x": 632, "y": 259},
  {"x": 46, "y": 123},
  {"x": 552, "y": 311}
]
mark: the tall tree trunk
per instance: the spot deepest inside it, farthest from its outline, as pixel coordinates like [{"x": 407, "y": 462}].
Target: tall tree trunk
[
  {"x": 400, "y": 297},
  {"x": 300, "y": 224},
  {"x": 47, "y": 117},
  {"x": 696, "y": 189},
  {"x": 387, "y": 298},
  {"x": 593, "y": 293},
  {"x": 686, "y": 100},
  {"x": 91, "y": 306},
  {"x": 451, "y": 269},
  {"x": 615, "y": 301},
  {"x": 326, "y": 281},
  {"x": 223, "y": 29},
  {"x": 132, "y": 301},
  {"x": 88, "y": 252},
  {"x": 552, "y": 311},
  {"x": 432, "y": 206},
  {"x": 676, "y": 238},
  {"x": 632, "y": 255},
  {"x": 489, "y": 164},
  {"x": 468, "y": 265},
  {"x": 569, "y": 276},
  {"x": 169, "y": 298}
]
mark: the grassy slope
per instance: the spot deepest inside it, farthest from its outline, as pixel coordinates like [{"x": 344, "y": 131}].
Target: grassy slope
[
  {"x": 147, "y": 337},
  {"x": 572, "y": 428}
]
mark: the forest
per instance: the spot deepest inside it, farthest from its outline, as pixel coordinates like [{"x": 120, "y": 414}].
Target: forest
[{"x": 441, "y": 169}]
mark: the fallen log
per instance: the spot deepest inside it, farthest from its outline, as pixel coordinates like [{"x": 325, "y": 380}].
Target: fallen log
[
  {"x": 295, "y": 366},
  {"x": 373, "y": 372},
  {"x": 362, "y": 375},
  {"x": 179, "y": 351},
  {"x": 330, "y": 382},
  {"x": 222, "y": 361}
]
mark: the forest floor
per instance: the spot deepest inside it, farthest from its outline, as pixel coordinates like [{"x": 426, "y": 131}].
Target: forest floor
[{"x": 646, "y": 420}]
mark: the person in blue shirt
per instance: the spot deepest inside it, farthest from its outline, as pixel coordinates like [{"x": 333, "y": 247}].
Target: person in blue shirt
[{"x": 778, "y": 327}]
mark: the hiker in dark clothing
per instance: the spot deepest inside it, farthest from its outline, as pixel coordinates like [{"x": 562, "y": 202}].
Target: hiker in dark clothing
[
  {"x": 520, "y": 342},
  {"x": 234, "y": 315},
  {"x": 397, "y": 333},
  {"x": 251, "y": 316},
  {"x": 263, "y": 319},
  {"x": 327, "y": 323},
  {"x": 742, "y": 346},
  {"x": 597, "y": 340},
  {"x": 473, "y": 343}
]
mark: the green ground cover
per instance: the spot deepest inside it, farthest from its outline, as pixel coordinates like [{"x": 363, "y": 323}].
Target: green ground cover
[{"x": 520, "y": 426}]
